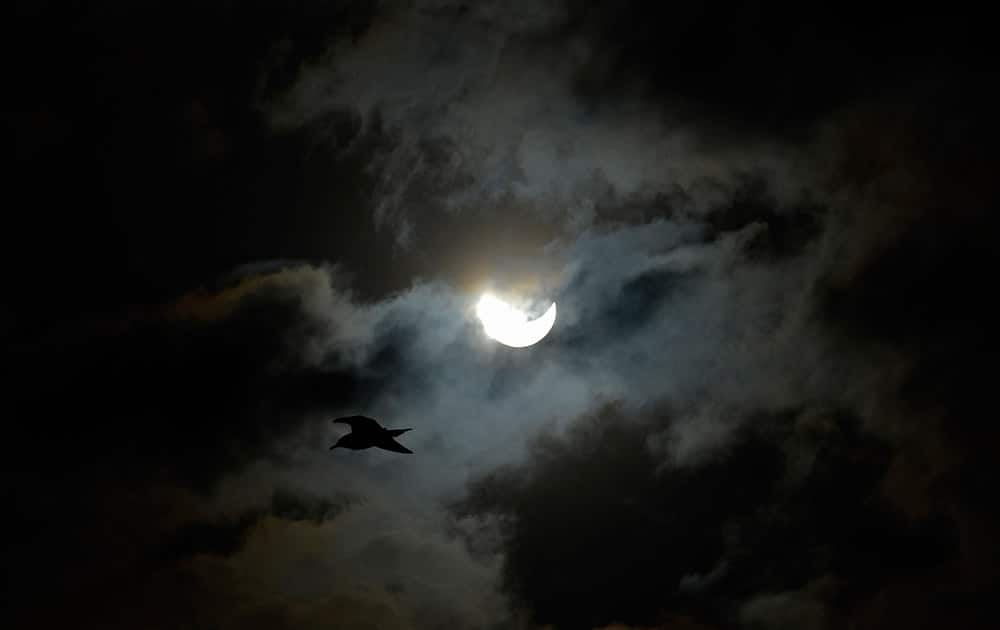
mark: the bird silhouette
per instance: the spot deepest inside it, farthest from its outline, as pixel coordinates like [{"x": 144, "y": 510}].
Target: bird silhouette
[{"x": 367, "y": 432}]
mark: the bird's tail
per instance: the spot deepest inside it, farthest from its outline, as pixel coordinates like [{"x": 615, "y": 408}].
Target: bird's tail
[{"x": 398, "y": 432}]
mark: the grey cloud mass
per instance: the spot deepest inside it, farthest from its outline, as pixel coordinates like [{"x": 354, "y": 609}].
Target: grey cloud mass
[
  {"x": 481, "y": 110},
  {"x": 679, "y": 321}
]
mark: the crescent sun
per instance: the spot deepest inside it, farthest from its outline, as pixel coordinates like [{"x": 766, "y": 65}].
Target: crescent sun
[{"x": 511, "y": 326}]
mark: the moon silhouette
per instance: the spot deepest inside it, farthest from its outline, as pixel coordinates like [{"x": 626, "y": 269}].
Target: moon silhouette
[{"x": 511, "y": 326}]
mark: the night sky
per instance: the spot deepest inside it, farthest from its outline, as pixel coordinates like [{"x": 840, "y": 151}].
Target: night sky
[{"x": 768, "y": 400}]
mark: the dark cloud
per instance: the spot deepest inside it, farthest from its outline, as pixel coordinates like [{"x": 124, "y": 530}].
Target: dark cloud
[
  {"x": 794, "y": 499},
  {"x": 222, "y": 538},
  {"x": 175, "y": 393},
  {"x": 785, "y": 229},
  {"x": 228, "y": 536}
]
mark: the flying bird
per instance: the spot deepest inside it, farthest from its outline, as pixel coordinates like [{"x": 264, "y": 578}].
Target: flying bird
[{"x": 367, "y": 432}]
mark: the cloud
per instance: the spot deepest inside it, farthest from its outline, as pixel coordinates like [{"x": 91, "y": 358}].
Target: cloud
[
  {"x": 472, "y": 109},
  {"x": 805, "y": 608},
  {"x": 593, "y": 510},
  {"x": 675, "y": 338},
  {"x": 257, "y": 369},
  {"x": 356, "y": 569}
]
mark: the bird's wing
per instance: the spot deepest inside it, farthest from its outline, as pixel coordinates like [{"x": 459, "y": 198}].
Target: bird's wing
[
  {"x": 390, "y": 444},
  {"x": 359, "y": 423}
]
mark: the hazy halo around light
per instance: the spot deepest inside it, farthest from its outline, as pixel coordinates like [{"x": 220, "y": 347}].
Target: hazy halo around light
[{"x": 510, "y": 326}]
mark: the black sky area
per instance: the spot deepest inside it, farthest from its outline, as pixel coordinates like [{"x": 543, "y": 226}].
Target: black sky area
[{"x": 767, "y": 401}]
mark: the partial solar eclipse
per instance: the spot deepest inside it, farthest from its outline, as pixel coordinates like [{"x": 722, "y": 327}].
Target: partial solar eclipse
[{"x": 511, "y": 326}]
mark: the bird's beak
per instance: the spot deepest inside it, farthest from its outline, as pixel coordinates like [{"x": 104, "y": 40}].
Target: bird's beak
[{"x": 333, "y": 447}]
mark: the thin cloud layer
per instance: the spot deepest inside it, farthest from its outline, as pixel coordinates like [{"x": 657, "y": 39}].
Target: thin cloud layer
[{"x": 477, "y": 109}]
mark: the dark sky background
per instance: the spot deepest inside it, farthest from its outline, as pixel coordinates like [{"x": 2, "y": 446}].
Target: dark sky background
[{"x": 768, "y": 401}]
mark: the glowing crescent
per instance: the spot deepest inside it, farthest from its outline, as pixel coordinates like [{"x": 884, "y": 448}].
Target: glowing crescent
[{"x": 511, "y": 326}]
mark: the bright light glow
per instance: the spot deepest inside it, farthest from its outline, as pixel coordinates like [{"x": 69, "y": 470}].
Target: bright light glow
[{"x": 510, "y": 326}]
